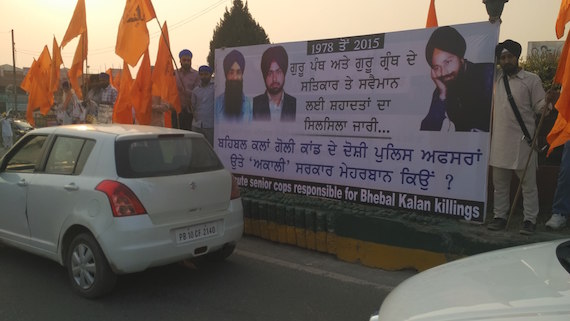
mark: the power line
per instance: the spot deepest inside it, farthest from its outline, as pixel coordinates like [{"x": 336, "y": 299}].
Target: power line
[{"x": 105, "y": 50}]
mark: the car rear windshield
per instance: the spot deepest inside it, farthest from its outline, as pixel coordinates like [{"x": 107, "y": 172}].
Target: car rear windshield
[{"x": 164, "y": 156}]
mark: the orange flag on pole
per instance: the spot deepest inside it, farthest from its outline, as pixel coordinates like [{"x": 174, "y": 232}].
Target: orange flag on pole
[
  {"x": 563, "y": 18},
  {"x": 123, "y": 109},
  {"x": 76, "y": 69},
  {"x": 141, "y": 92},
  {"x": 78, "y": 24},
  {"x": 44, "y": 98},
  {"x": 560, "y": 132},
  {"x": 111, "y": 78},
  {"x": 432, "y": 17},
  {"x": 36, "y": 84},
  {"x": 163, "y": 79},
  {"x": 132, "y": 38},
  {"x": 56, "y": 62}
]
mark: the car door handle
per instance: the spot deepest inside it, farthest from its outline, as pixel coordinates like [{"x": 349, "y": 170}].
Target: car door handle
[
  {"x": 71, "y": 187},
  {"x": 22, "y": 182}
]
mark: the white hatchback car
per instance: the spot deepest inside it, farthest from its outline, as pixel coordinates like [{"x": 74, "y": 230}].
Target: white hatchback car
[
  {"x": 530, "y": 282},
  {"x": 104, "y": 200}
]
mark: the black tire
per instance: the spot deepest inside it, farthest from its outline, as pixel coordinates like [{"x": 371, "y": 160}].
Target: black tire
[
  {"x": 87, "y": 268},
  {"x": 222, "y": 253}
]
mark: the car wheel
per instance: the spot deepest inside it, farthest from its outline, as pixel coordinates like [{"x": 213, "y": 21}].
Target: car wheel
[
  {"x": 87, "y": 268},
  {"x": 221, "y": 254}
]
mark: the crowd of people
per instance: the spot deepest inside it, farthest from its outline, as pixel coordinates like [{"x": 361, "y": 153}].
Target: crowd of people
[{"x": 195, "y": 89}]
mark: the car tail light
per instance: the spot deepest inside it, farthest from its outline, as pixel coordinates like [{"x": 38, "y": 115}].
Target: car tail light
[
  {"x": 235, "y": 189},
  {"x": 123, "y": 201}
]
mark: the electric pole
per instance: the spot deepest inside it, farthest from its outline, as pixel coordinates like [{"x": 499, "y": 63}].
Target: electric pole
[{"x": 14, "y": 88}]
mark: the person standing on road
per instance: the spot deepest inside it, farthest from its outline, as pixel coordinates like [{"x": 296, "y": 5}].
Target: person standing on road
[
  {"x": 187, "y": 79},
  {"x": 561, "y": 202},
  {"x": 509, "y": 153},
  {"x": 7, "y": 135},
  {"x": 203, "y": 102}
]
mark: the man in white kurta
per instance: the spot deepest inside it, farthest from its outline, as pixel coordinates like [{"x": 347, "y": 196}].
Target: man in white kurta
[
  {"x": 7, "y": 134},
  {"x": 509, "y": 151}
]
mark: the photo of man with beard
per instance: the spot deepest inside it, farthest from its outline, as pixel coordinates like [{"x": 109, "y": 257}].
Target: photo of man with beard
[
  {"x": 461, "y": 100},
  {"x": 232, "y": 105},
  {"x": 274, "y": 103}
]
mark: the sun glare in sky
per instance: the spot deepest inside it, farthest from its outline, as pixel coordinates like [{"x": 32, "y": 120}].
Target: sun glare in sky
[{"x": 191, "y": 23}]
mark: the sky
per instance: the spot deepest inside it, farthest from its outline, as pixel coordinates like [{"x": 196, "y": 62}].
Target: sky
[{"x": 191, "y": 23}]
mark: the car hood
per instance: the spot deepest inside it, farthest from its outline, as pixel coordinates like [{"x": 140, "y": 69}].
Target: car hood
[{"x": 520, "y": 283}]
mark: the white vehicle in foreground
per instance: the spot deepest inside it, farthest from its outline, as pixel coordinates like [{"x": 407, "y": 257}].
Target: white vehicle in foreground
[
  {"x": 530, "y": 282},
  {"x": 104, "y": 200}
]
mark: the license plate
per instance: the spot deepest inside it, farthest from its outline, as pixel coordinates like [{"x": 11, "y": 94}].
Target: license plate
[{"x": 196, "y": 232}]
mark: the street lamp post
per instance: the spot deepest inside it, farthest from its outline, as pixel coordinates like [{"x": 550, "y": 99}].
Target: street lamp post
[{"x": 494, "y": 9}]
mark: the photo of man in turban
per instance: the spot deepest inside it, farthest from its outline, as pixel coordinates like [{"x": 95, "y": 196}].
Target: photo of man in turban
[
  {"x": 461, "y": 100},
  {"x": 274, "y": 103},
  {"x": 232, "y": 105}
]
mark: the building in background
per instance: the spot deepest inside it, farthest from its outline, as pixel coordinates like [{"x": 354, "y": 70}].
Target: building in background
[{"x": 544, "y": 48}]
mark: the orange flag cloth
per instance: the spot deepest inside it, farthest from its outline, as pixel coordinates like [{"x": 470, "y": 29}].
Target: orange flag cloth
[
  {"x": 56, "y": 61},
  {"x": 36, "y": 83},
  {"x": 76, "y": 69},
  {"x": 432, "y": 17},
  {"x": 78, "y": 24},
  {"x": 560, "y": 132},
  {"x": 132, "y": 38},
  {"x": 563, "y": 18},
  {"x": 123, "y": 109},
  {"x": 163, "y": 79},
  {"x": 141, "y": 92}
]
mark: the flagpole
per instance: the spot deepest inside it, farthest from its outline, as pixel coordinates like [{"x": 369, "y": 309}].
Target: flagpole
[{"x": 176, "y": 66}]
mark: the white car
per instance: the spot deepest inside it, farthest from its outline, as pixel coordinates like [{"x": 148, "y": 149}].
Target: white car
[
  {"x": 530, "y": 282},
  {"x": 104, "y": 200}
]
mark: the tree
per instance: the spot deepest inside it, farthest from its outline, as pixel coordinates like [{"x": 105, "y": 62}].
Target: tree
[{"x": 237, "y": 28}]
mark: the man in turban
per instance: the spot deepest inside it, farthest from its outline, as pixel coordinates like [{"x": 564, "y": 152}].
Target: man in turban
[
  {"x": 461, "y": 100},
  {"x": 232, "y": 105},
  {"x": 274, "y": 103},
  {"x": 509, "y": 153},
  {"x": 203, "y": 102},
  {"x": 187, "y": 79}
]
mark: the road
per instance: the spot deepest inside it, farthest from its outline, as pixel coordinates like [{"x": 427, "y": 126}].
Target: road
[{"x": 260, "y": 281}]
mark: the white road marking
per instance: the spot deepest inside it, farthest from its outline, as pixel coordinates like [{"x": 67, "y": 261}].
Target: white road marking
[{"x": 312, "y": 270}]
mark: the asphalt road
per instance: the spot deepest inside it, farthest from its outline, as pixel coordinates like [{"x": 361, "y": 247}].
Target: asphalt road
[{"x": 261, "y": 281}]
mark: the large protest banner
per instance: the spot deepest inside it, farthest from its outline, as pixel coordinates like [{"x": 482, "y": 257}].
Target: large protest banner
[{"x": 361, "y": 119}]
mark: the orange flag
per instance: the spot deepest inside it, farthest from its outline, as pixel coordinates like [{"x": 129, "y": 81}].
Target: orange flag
[
  {"x": 141, "y": 92},
  {"x": 76, "y": 69},
  {"x": 26, "y": 84},
  {"x": 42, "y": 83},
  {"x": 111, "y": 79},
  {"x": 563, "y": 18},
  {"x": 123, "y": 111},
  {"x": 132, "y": 38},
  {"x": 56, "y": 61},
  {"x": 431, "y": 18},
  {"x": 163, "y": 79},
  {"x": 560, "y": 132},
  {"x": 78, "y": 24},
  {"x": 37, "y": 86}
]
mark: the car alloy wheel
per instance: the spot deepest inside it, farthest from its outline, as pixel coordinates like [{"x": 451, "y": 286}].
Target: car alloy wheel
[{"x": 88, "y": 269}]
